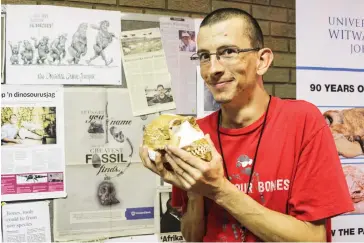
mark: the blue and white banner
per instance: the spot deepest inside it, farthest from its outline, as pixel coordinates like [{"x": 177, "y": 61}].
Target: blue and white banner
[{"x": 330, "y": 74}]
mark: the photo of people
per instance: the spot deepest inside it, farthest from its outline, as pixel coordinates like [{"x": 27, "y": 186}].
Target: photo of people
[
  {"x": 210, "y": 103},
  {"x": 354, "y": 174},
  {"x": 55, "y": 177},
  {"x": 169, "y": 216},
  {"x": 28, "y": 125},
  {"x": 347, "y": 127},
  {"x": 138, "y": 43},
  {"x": 188, "y": 41},
  {"x": 161, "y": 94}
]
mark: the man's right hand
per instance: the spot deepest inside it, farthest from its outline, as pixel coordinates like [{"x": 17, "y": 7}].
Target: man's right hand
[{"x": 158, "y": 168}]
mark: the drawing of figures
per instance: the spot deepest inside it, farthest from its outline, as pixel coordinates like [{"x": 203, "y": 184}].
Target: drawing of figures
[
  {"x": 78, "y": 46},
  {"x": 58, "y": 49},
  {"x": 14, "y": 58},
  {"x": 27, "y": 52},
  {"x": 103, "y": 39},
  {"x": 43, "y": 49}
]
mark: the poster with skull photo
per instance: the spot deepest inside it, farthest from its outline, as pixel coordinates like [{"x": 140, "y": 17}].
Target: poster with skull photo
[
  {"x": 107, "y": 204},
  {"x": 100, "y": 127},
  {"x": 62, "y": 45}
]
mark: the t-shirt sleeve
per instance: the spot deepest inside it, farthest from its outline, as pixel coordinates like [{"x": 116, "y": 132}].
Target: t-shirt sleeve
[
  {"x": 319, "y": 189},
  {"x": 179, "y": 198}
]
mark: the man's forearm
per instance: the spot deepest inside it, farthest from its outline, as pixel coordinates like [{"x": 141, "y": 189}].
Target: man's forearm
[
  {"x": 267, "y": 224},
  {"x": 193, "y": 221}
]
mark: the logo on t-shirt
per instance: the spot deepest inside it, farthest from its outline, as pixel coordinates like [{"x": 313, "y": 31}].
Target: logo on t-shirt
[{"x": 244, "y": 161}]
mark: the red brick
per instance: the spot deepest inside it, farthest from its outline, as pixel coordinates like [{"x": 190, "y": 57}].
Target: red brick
[
  {"x": 281, "y": 29},
  {"x": 292, "y": 45},
  {"x": 291, "y": 16},
  {"x": 66, "y": 4},
  {"x": 276, "y": 44},
  {"x": 269, "y": 13},
  {"x": 24, "y": 2},
  {"x": 97, "y": 1},
  {"x": 283, "y": 3},
  {"x": 269, "y": 88},
  {"x": 264, "y": 25},
  {"x": 284, "y": 60},
  {"x": 277, "y": 75},
  {"x": 285, "y": 91},
  {"x": 167, "y": 13},
  {"x": 119, "y": 8},
  {"x": 293, "y": 75},
  {"x": 143, "y": 3},
  {"x": 200, "y": 6},
  {"x": 264, "y": 2},
  {"x": 225, "y": 4}
]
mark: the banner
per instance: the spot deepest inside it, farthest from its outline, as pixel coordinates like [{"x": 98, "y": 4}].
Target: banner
[{"x": 330, "y": 74}]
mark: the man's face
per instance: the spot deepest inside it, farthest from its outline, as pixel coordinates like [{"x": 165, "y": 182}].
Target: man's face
[
  {"x": 160, "y": 91},
  {"x": 186, "y": 39},
  {"x": 13, "y": 119},
  {"x": 226, "y": 81}
]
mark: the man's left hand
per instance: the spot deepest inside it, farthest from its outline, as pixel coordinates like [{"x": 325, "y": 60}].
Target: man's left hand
[{"x": 197, "y": 175}]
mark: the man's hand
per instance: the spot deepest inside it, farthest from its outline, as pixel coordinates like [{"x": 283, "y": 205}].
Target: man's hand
[{"x": 195, "y": 174}]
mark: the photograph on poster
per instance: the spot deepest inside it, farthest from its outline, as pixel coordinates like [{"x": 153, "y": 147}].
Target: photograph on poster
[
  {"x": 188, "y": 41},
  {"x": 31, "y": 178},
  {"x": 52, "y": 49},
  {"x": 161, "y": 94},
  {"x": 140, "y": 43},
  {"x": 170, "y": 218},
  {"x": 347, "y": 127},
  {"x": 354, "y": 174},
  {"x": 28, "y": 125}
]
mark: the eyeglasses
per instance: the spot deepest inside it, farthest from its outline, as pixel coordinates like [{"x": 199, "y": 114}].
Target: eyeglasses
[{"x": 225, "y": 54}]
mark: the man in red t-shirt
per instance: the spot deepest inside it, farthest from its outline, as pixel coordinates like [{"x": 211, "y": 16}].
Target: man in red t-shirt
[{"x": 275, "y": 174}]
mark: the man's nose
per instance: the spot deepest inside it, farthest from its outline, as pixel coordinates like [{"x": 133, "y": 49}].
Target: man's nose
[{"x": 216, "y": 69}]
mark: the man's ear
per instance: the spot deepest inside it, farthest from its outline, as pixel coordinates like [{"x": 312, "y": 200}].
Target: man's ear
[{"x": 265, "y": 60}]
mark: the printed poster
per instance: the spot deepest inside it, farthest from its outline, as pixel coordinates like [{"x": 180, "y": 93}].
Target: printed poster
[
  {"x": 331, "y": 76},
  {"x": 32, "y": 142},
  {"x": 62, "y": 45}
]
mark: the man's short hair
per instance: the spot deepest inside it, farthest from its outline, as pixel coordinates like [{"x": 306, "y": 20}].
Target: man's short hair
[
  {"x": 253, "y": 29},
  {"x": 160, "y": 85}
]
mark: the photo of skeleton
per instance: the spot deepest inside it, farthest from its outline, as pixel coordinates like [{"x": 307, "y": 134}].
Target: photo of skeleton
[
  {"x": 31, "y": 178},
  {"x": 28, "y": 126},
  {"x": 80, "y": 49},
  {"x": 347, "y": 128},
  {"x": 354, "y": 174}
]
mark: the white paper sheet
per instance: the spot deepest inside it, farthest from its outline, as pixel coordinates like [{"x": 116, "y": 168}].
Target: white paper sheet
[
  {"x": 99, "y": 207},
  {"x": 100, "y": 126},
  {"x": 179, "y": 42},
  {"x": 146, "y": 71},
  {"x": 3, "y": 41},
  {"x": 32, "y": 138},
  {"x": 62, "y": 45},
  {"x": 26, "y": 222}
]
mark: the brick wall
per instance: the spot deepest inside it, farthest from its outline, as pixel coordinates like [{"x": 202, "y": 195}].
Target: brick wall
[{"x": 276, "y": 18}]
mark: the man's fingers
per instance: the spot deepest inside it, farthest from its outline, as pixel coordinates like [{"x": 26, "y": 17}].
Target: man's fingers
[
  {"x": 186, "y": 157},
  {"x": 144, "y": 156},
  {"x": 179, "y": 171}
]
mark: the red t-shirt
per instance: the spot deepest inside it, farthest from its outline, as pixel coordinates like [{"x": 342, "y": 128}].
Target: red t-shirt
[{"x": 297, "y": 162}]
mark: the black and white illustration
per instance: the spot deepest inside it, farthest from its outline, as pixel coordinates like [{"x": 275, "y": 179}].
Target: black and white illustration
[{"x": 52, "y": 49}]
